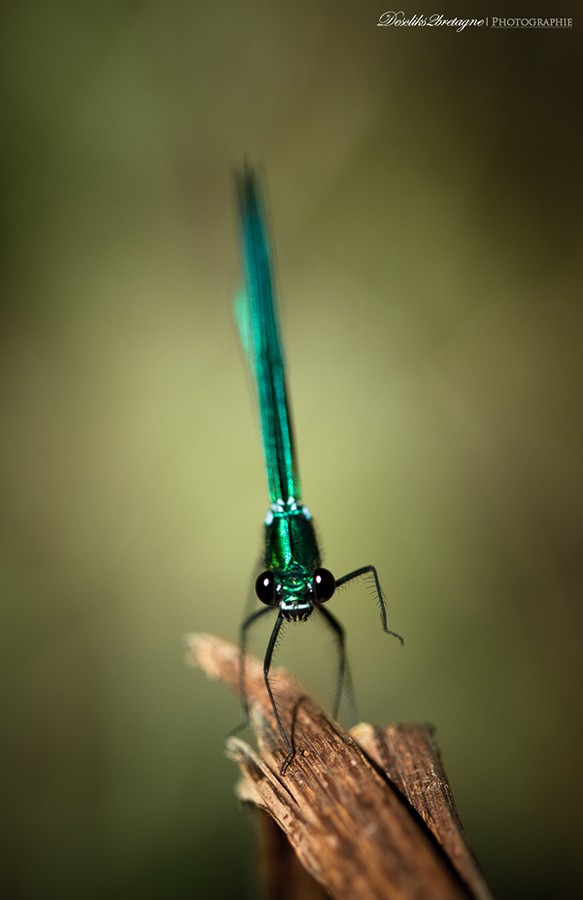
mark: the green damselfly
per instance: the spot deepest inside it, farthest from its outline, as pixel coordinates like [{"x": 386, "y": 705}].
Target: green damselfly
[{"x": 292, "y": 583}]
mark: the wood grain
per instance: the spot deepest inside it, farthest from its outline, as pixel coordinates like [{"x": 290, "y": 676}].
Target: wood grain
[{"x": 369, "y": 814}]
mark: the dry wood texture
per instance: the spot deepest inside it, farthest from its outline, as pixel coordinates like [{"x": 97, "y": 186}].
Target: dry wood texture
[{"x": 369, "y": 814}]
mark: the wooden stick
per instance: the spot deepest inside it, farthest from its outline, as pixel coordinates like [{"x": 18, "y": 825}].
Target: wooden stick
[
  {"x": 410, "y": 758},
  {"x": 283, "y": 875},
  {"x": 369, "y": 815}
]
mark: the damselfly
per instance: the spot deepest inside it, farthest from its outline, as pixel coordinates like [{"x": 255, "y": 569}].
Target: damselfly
[{"x": 293, "y": 582}]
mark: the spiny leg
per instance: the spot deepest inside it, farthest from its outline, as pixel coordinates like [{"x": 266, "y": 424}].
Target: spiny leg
[
  {"x": 266, "y": 667},
  {"x": 365, "y": 570},
  {"x": 245, "y": 625},
  {"x": 343, "y": 667}
]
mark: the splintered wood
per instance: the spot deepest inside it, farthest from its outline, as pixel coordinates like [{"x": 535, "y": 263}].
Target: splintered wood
[{"x": 369, "y": 814}]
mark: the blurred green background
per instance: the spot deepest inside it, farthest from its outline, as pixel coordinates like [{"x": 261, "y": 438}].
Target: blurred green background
[{"x": 425, "y": 193}]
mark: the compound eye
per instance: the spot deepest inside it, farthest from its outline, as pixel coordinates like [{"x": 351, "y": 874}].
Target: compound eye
[
  {"x": 324, "y": 585},
  {"x": 265, "y": 588}
]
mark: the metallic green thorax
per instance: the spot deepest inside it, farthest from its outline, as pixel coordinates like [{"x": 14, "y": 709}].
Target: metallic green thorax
[
  {"x": 291, "y": 553},
  {"x": 290, "y": 537},
  {"x": 291, "y": 549}
]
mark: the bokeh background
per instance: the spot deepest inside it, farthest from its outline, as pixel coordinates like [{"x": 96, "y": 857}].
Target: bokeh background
[{"x": 425, "y": 193}]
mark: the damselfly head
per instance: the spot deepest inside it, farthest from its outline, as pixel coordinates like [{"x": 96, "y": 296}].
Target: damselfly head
[{"x": 297, "y": 593}]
